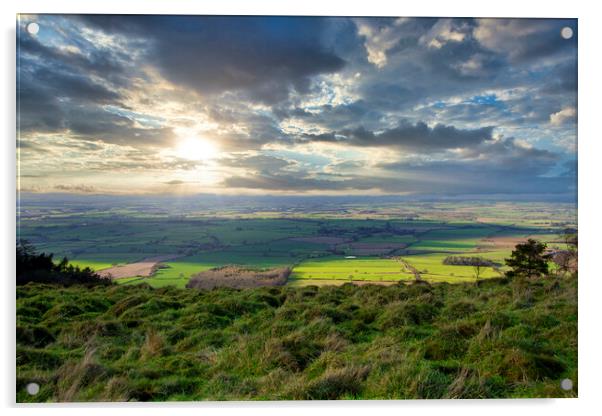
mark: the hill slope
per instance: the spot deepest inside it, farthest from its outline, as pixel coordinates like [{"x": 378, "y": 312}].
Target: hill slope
[{"x": 499, "y": 339}]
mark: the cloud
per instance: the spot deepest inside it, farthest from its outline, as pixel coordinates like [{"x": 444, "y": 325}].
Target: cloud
[
  {"x": 262, "y": 56},
  {"x": 379, "y": 38},
  {"x": 523, "y": 40},
  {"x": 66, "y": 90},
  {"x": 256, "y": 162},
  {"x": 299, "y": 103},
  {"x": 493, "y": 166},
  {"x": 176, "y": 182},
  {"x": 52, "y": 79},
  {"x": 93, "y": 123},
  {"x": 500, "y": 166},
  {"x": 416, "y": 137},
  {"x": 291, "y": 182},
  {"x": 104, "y": 63},
  {"x": 442, "y": 32},
  {"x": 80, "y": 189},
  {"x": 563, "y": 116}
]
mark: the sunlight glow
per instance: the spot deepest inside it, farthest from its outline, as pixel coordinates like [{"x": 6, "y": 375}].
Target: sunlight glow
[{"x": 194, "y": 148}]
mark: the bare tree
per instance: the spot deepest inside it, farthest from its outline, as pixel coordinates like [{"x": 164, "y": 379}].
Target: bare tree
[
  {"x": 477, "y": 267},
  {"x": 567, "y": 259}
]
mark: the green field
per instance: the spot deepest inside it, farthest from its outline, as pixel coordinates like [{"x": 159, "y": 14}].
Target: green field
[
  {"x": 431, "y": 267},
  {"x": 342, "y": 269},
  {"x": 93, "y": 264},
  {"x": 421, "y": 234}
]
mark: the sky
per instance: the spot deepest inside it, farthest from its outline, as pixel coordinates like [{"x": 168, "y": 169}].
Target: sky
[{"x": 110, "y": 104}]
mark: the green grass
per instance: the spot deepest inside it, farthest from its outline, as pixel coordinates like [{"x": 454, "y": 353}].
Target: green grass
[
  {"x": 498, "y": 339},
  {"x": 460, "y": 239},
  {"x": 340, "y": 268},
  {"x": 176, "y": 274},
  {"x": 388, "y": 238},
  {"x": 431, "y": 265},
  {"x": 93, "y": 264}
]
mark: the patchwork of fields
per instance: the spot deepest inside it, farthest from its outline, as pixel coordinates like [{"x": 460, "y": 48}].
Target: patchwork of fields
[{"x": 386, "y": 245}]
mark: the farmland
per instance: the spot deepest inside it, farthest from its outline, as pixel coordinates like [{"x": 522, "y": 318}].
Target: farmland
[
  {"x": 344, "y": 313},
  {"x": 326, "y": 243},
  {"x": 364, "y": 269}
]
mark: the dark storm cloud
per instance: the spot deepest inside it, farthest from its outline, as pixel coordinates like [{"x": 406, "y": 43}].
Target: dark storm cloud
[
  {"x": 265, "y": 57},
  {"x": 419, "y": 137}
]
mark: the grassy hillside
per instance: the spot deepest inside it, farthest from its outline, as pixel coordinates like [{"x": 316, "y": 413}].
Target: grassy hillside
[{"x": 499, "y": 339}]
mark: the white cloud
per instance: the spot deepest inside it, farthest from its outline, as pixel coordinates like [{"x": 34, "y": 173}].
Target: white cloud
[
  {"x": 379, "y": 39},
  {"x": 441, "y": 33},
  {"x": 563, "y": 116}
]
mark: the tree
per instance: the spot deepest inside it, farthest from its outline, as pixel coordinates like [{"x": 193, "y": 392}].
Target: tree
[
  {"x": 40, "y": 268},
  {"x": 567, "y": 259},
  {"x": 528, "y": 260},
  {"x": 477, "y": 267}
]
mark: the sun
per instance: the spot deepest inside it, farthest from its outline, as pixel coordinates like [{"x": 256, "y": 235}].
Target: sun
[{"x": 195, "y": 148}]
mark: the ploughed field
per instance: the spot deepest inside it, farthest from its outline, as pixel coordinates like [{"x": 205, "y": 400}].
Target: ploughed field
[{"x": 352, "y": 244}]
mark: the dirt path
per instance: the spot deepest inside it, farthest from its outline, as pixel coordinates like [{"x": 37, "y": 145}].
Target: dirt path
[{"x": 142, "y": 268}]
